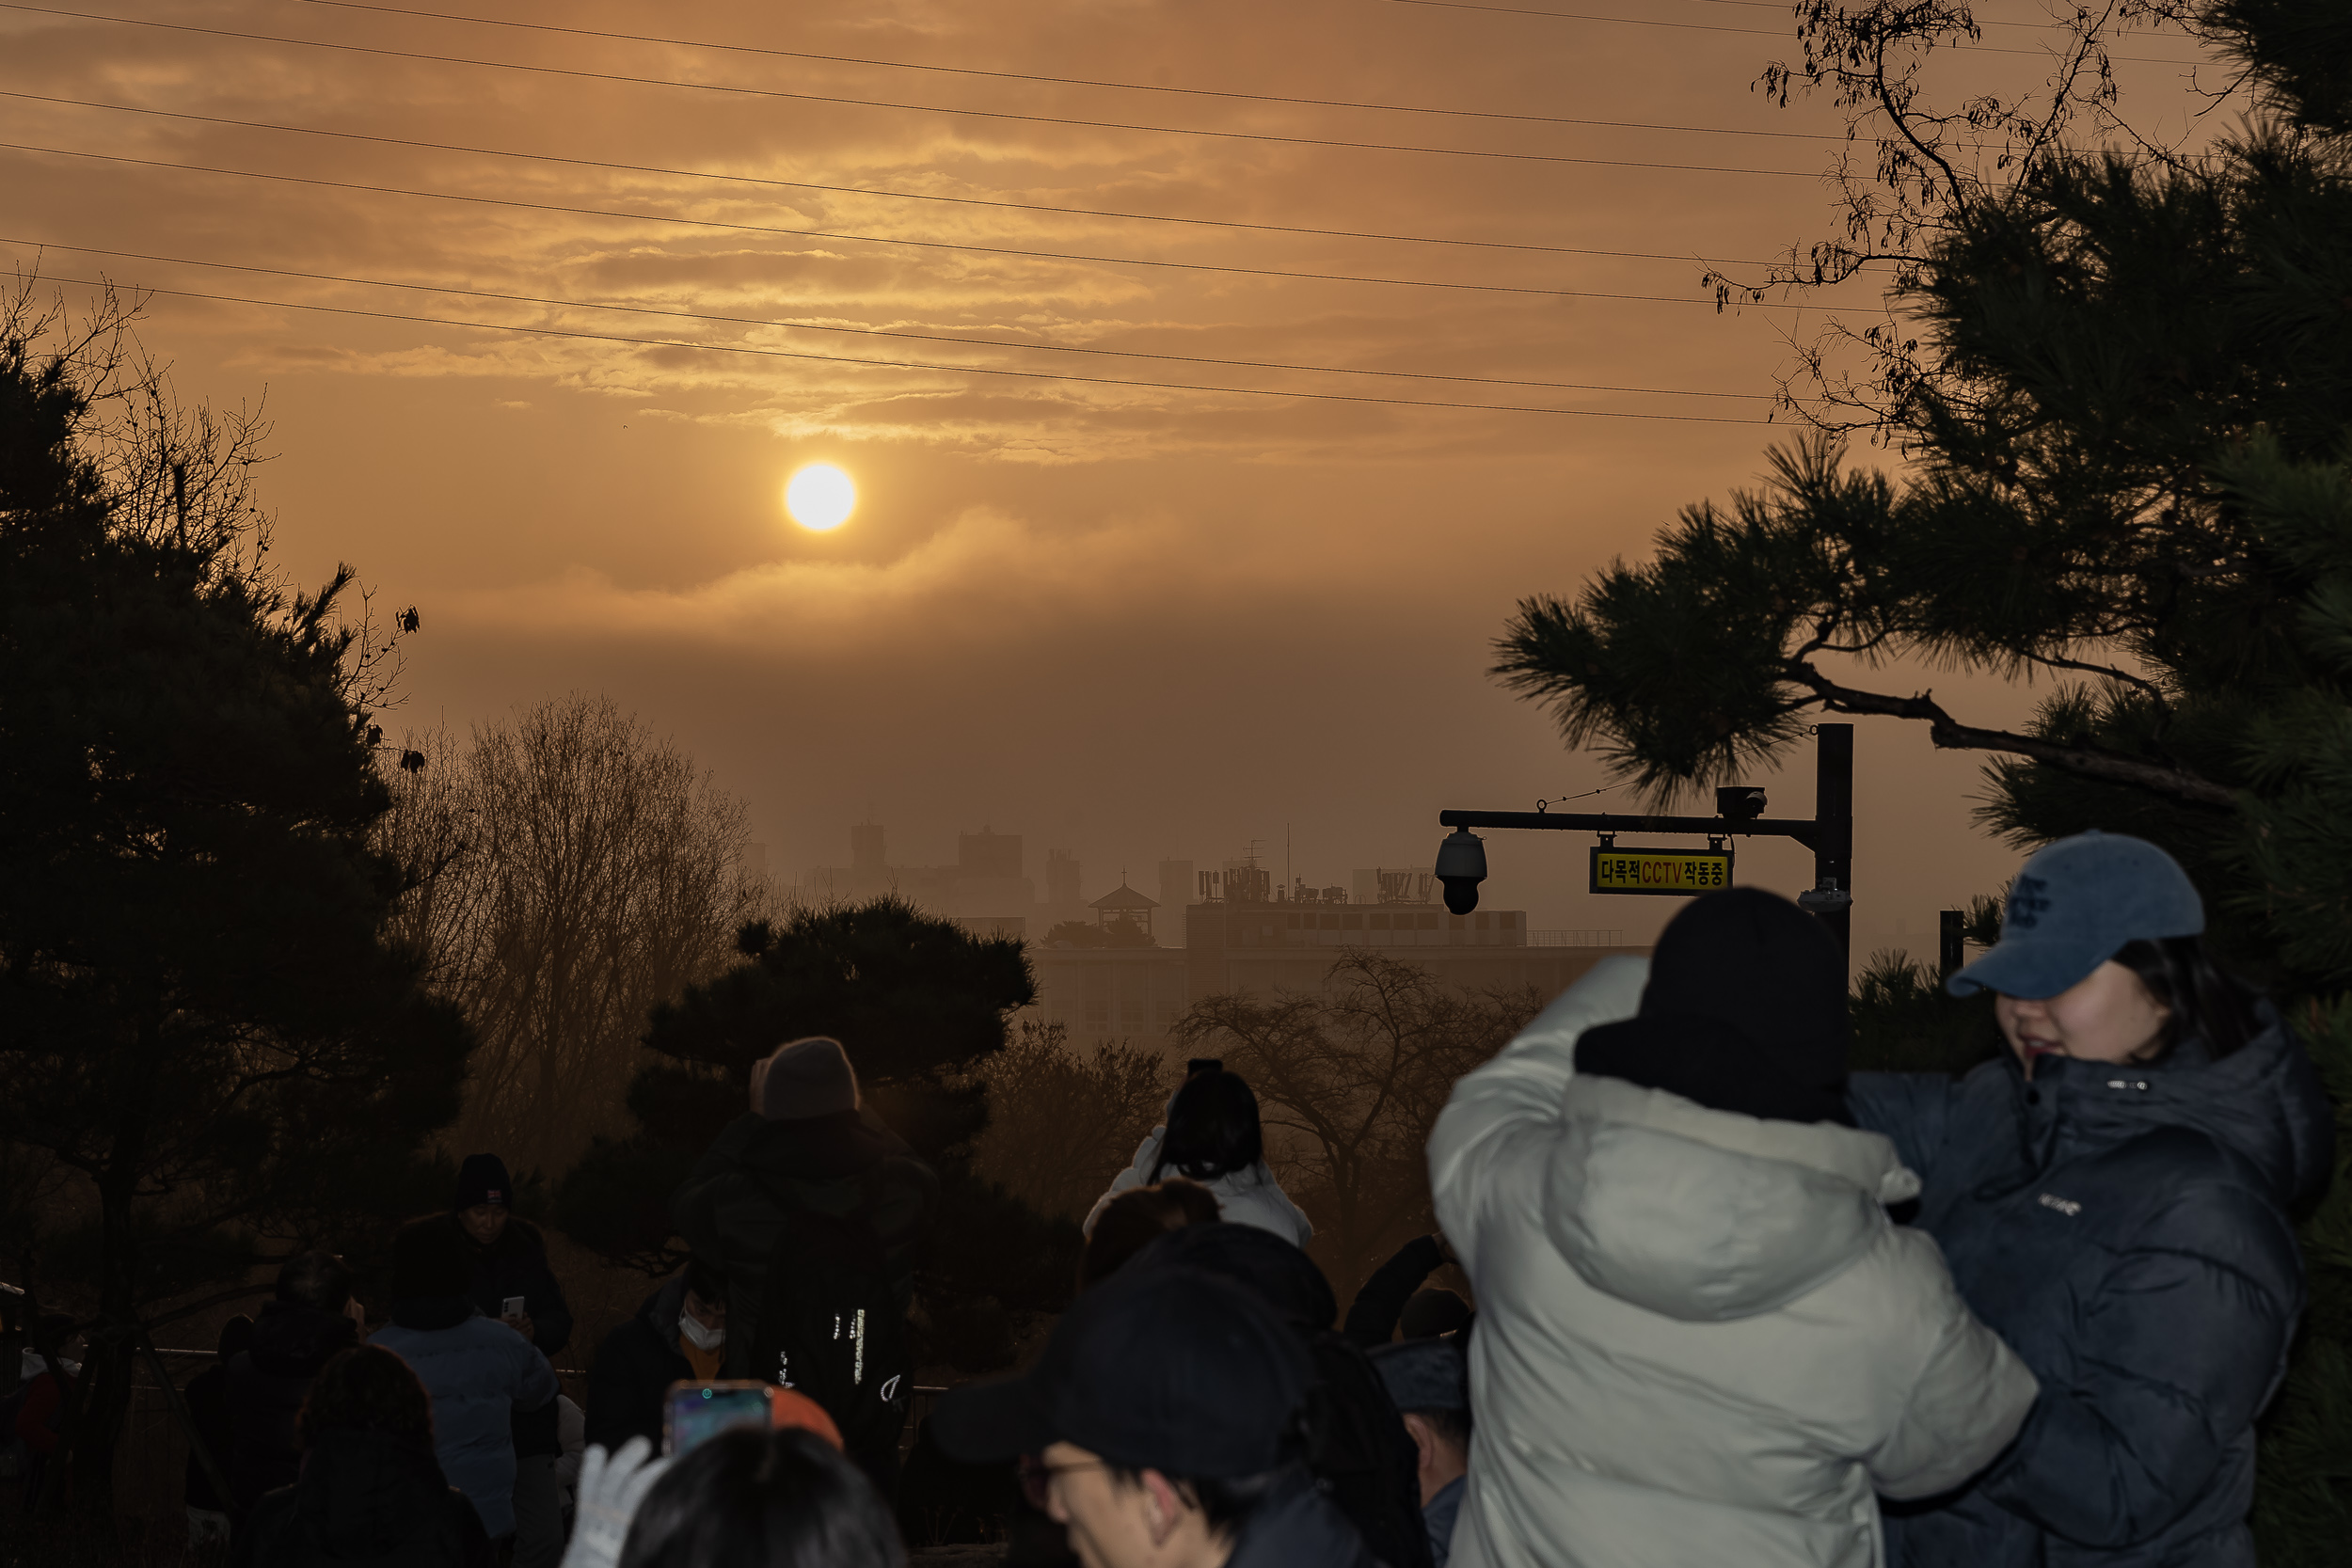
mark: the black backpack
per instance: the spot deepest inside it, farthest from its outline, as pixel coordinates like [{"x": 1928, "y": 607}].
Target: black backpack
[{"x": 832, "y": 1322}]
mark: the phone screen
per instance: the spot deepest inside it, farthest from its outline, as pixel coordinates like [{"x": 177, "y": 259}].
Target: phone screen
[{"x": 699, "y": 1411}]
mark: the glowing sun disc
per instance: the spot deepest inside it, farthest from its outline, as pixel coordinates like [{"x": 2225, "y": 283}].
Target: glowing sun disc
[{"x": 821, "y": 496}]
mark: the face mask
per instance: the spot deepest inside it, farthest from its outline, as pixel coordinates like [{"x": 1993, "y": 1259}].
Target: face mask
[{"x": 699, "y": 1337}]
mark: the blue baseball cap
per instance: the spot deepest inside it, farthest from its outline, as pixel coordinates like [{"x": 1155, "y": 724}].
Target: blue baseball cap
[{"x": 2072, "y": 908}]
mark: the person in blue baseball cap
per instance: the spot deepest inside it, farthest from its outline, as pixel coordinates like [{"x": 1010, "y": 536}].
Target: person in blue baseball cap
[{"x": 2113, "y": 1193}]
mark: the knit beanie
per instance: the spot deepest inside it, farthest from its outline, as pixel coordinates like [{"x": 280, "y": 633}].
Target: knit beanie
[
  {"x": 808, "y": 1078},
  {"x": 483, "y": 1179},
  {"x": 1745, "y": 1012}
]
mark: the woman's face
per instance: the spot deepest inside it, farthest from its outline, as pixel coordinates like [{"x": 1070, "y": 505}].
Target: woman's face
[{"x": 2109, "y": 1016}]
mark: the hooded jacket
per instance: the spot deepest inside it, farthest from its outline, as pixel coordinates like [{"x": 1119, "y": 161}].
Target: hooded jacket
[
  {"x": 634, "y": 1369},
  {"x": 2126, "y": 1229},
  {"x": 366, "y": 1500},
  {"x": 1249, "y": 1196},
  {"x": 728, "y": 1212},
  {"x": 267, "y": 1384},
  {"x": 479, "y": 1372},
  {"x": 1700, "y": 1339}
]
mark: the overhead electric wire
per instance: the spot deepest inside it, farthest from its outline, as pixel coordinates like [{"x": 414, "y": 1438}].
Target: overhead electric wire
[
  {"x": 778, "y": 93},
  {"x": 904, "y": 364},
  {"x": 877, "y": 239},
  {"x": 866, "y": 190},
  {"x": 1746, "y": 32},
  {"x": 881, "y": 332},
  {"x": 1064, "y": 80}
]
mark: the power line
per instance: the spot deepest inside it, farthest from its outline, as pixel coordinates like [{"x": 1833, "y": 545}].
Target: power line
[
  {"x": 778, "y": 93},
  {"x": 878, "y": 239},
  {"x": 1746, "y": 32},
  {"x": 881, "y": 332},
  {"x": 863, "y": 190},
  {"x": 905, "y": 364},
  {"x": 1064, "y": 80}
]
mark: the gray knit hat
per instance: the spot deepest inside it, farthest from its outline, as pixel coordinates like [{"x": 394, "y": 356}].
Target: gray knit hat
[{"x": 808, "y": 1078}]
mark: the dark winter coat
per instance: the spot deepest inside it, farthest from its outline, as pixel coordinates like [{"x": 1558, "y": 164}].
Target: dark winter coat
[
  {"x": 634, "y": 1369},
  {"x": 729, "y": 1213},
  {"x": 1297, "y": 1527},
  {"x": 365, "y": 1500},
  {"x": 516, "y": 1265},
  {"x": 266, "y": 1387},
  {"x": 2125, "y": 1230}
]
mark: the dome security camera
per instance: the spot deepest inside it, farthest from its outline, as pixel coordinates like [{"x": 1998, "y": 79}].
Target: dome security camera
[{"x": 1461, "y": 866}]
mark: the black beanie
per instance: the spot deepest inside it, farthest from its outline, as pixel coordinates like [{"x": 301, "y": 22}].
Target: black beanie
[
  {"x": 430, "y": 1258},
  {"x": 1745, "y": 1012},
  {"x": 483, "y": 1179}
]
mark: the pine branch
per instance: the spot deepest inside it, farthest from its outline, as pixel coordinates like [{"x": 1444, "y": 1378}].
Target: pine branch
[{"x": 2087, "y": 762}]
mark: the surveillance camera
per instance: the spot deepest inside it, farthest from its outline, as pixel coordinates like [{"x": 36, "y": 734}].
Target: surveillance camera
[
  {"x": 1461, "y": 866},
  {"x": 1738, "y": 802}
]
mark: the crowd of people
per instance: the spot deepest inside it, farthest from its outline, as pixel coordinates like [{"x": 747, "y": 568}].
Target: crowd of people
[{"x": 1729, "y": 1304}]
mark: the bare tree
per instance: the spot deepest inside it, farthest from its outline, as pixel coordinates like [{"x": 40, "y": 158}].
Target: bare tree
[
  {"x": 571, "y": 869},
  {"x": 1349, "y": 1081},
  {"x": 1061, "y": 1125}
]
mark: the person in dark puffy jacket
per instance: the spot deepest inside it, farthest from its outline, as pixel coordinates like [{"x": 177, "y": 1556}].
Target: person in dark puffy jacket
[
  {"x": 2113, "y": 1197},
  {"x": 810, "y": 1140},
  {"x": 296, "y": 1334},
  {"x": 371, "y": 1490}
]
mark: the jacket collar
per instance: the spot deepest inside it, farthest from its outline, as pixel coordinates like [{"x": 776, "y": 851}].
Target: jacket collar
[
  {"x": 2262, "y": 1102},
  {"x": 1865, "y": 1159}
]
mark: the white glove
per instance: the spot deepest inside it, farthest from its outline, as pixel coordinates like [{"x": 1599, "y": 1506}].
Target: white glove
[{"x": 611, "y": 1487}]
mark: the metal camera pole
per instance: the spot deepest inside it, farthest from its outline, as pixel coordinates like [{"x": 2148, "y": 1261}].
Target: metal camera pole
[{"x": 1828, "y": 832}]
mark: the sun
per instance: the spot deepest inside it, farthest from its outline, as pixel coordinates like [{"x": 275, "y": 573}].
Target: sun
[{"x": 821, "y": 496}]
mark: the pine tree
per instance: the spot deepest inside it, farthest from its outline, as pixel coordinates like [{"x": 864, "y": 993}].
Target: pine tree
[
  {"x": 211, "y": 1055},
  {"x": 2123, "y": 384}
]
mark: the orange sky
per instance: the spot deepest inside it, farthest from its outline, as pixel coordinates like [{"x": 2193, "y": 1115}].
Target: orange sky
[{"x": 1130, "y": 621}]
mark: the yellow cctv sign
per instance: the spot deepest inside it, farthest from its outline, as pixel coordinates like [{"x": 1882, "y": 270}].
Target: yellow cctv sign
[{"x": 1671, "y": 873}]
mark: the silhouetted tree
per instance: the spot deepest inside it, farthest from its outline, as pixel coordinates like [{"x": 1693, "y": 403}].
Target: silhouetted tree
[
  {"x": 1060, "y": 1124},
  {"x": 1349, "y": 1081},
  {"x": 2123, "y": 381},
  {"x": 210, "y": 1054},
  {"x": 584, "y": 870}
]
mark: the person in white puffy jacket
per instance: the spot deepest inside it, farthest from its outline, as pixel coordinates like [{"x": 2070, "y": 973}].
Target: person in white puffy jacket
[
  {"x": 1212, "y": 1135},
  {"x": 1700, "y": 1339}
]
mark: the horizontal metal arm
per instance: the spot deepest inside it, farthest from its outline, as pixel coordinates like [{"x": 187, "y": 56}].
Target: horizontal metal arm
[{"x": 1802, "y": 829}]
